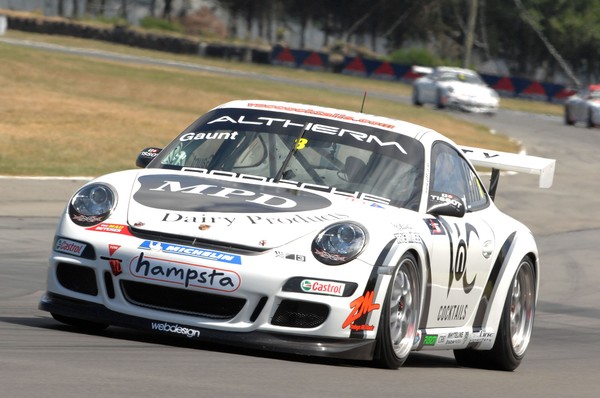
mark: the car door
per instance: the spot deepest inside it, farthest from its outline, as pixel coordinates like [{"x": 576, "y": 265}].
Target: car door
[
  {"x": 461, "y": 249},
  {"x": 427, "y": 91}
]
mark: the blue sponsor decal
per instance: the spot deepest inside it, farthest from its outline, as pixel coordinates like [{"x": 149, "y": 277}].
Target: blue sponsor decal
[{"x": 190, "y": 251}]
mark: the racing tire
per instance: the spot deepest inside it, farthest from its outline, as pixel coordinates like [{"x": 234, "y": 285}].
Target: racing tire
[
  {"x": 80, "y": 323},
  {"x": 439, "y": 102},
  {"x": 590, "y": 120},
  {"x": 415, "y": 98},
  {"x": 516, "y": 324},
  {"x": 400, "y": 315},
  {"x": 568, "y": 119}
]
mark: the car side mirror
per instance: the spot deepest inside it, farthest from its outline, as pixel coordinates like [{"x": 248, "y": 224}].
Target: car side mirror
[
  {"x": 146, "y": 156},
  {"x": 445, "y": 204}
]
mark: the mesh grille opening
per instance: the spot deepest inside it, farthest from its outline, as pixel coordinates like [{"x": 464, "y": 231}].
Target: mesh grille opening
[
  {"x": 181, "y": 301},
  {"x": 300, "y": 314},
  {"x": 77, "y": 278}
]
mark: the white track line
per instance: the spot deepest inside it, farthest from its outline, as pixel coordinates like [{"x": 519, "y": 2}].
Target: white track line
[{"x": 46, "y": 178}]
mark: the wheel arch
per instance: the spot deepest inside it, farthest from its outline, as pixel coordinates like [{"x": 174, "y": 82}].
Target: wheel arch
[
  {"x": 424, "y": 275},
  {"x": 385, "y": 355},
  {"x": 522, "y": 245}
]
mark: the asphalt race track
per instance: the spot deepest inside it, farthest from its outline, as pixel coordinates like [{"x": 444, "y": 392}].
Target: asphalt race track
[{"x": 42, "y": 358}]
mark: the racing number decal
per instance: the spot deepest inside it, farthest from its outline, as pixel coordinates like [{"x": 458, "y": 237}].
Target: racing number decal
[
  {"x": 458, "y": 262},
  {"x": 459, "y": 269},
  {"x": 300, "y": 143}
]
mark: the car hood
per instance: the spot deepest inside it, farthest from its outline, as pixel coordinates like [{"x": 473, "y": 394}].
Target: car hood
[
  {"x": 232, "y": 210},
  {"x": 468, "y": 88}
]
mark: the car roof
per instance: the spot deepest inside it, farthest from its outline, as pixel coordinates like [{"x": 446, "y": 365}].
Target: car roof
[
  {"x": 455, "y": 69},
  {"x": 409, "y": 129}
]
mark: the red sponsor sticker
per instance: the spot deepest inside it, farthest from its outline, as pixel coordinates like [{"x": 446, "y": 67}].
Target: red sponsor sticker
[
  {"x": 112, "y": 249},
  {"x": 70, "y": 247},
  {"x": 360, "y": 308},
  {"x": 112, "y": 228},
  {"x": 115, "y": 266}
]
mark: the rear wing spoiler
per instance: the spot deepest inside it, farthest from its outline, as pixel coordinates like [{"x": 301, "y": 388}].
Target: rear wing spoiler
[
  {"x": 505, "y": 161},
  {"x": 422, "y": 70}
]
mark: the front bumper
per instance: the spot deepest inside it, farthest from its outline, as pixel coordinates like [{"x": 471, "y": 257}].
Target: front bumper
[
  {"x": 111, "y": 274},
  {"x": 467, "y": 105},
  {"x": 349, "y": 348}
]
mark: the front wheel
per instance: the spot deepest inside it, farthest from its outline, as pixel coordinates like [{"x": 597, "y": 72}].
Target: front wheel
[
  {"x": 415, "y": 98},
  {"x": 440, "y": 99},
  {"x": 515, "y": 327},
  {"x": 568, "y": 119},
  {"x": 400, "y": 316}
]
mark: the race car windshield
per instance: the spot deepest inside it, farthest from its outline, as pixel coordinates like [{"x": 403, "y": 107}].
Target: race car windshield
[
  {"x": 303, "y": 149},
  {"x": 461, "y": 77}
]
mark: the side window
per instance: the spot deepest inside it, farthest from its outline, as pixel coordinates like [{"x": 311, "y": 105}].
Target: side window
[
  {"x": 476, "y": 196},
  {"x": 452, "y": 174},
  {"x": 448, "y": 173}
]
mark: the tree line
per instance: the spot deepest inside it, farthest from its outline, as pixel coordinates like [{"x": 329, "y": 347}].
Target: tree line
[{"x": 530, "y": 36}]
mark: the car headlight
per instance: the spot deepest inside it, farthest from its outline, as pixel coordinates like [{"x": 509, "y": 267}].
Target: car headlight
[
  {"x": 339, "y": 243},
  {"x": 92, "y": 204}
]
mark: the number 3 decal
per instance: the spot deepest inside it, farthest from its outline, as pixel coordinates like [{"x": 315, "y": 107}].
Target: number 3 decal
[{"x": 301, "y": 143}]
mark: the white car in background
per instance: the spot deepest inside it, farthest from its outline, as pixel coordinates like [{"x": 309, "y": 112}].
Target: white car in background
[
  {"x": 454, "y": 88},
  {"x": 584, "y": 107}
]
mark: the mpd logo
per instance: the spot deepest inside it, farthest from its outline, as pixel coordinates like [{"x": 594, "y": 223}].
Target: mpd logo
[
  {"x": 322, "y": 287},
  {"x": 196, "y": 194}
]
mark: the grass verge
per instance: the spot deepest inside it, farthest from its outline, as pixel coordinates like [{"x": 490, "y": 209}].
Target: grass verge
[{"x": 69, "y": 115}]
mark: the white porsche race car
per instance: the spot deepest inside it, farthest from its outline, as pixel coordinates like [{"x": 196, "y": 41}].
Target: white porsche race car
[
  {"x": 306, "y": 230},
  {"x": 453, "y": 87},
  {"x": 584, "y": 107}
]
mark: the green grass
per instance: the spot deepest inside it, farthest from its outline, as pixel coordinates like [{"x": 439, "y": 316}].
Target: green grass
[{"x": 70, "y": 115}]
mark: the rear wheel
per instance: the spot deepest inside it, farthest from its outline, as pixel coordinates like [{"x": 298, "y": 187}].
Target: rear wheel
[
  {"x": 400, "y": 316},
  {"x": 515, "y": 327},
  {"x": 590, "y": 120}
]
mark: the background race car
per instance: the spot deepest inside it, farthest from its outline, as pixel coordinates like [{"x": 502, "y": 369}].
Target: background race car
[
  {"x": 584, "y": 107},
  {"x": 454, "y": 87}
]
